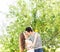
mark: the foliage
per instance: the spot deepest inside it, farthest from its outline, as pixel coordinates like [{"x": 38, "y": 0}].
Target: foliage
[{"x": 41, "y": 15}]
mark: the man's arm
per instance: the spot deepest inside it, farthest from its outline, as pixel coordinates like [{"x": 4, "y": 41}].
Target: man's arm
[{"x": 35, "y": 39}]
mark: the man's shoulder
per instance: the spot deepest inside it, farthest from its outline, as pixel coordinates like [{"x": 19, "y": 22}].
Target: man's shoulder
[{"x": 37, "y": 34}]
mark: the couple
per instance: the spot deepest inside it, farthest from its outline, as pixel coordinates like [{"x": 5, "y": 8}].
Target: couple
[{"x": 30, "y": 41}]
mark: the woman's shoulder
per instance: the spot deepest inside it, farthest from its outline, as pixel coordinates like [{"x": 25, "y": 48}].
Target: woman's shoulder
[{"x": 29, "y": 41}]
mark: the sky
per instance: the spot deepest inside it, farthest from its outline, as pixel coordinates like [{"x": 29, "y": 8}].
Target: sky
[{"x": 4, "y": 9}]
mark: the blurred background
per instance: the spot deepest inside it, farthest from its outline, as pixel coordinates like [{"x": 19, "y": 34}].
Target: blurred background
[{"x": 42, "y": 15}]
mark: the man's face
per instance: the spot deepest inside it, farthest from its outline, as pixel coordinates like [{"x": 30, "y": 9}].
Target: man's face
[{"x": 28, "y": 33}]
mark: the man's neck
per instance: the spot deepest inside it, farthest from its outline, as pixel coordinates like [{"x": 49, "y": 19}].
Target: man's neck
[{"x": 32, "y": 33}]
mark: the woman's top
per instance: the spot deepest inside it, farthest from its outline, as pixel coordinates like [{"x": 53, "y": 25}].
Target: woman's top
[{"x": 28, "y": 44}]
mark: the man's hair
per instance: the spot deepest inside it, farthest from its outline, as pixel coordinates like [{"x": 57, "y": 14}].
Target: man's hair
[{"x": 28, "y": 29}]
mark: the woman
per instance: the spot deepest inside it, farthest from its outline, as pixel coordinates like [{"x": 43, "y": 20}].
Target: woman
[{"x": 24, "y": 43}]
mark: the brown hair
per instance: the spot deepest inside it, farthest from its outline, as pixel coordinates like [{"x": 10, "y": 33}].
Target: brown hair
[{"x": 22, "y": 42}]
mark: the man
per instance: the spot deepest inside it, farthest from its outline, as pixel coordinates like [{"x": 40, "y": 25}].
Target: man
[{"x": 34, "y": 37}]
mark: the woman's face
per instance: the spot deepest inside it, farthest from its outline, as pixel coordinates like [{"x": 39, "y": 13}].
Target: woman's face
[{"x": 26, "y": 36}]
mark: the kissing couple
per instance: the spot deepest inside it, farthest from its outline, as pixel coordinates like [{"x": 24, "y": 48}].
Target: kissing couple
[{"x": 30, "y": 40}]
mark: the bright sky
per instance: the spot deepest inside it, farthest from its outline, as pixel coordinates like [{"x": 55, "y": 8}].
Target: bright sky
[{"x": 4, "y": 8}]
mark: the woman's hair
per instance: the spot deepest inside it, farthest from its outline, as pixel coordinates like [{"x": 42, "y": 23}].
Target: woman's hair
[{"x": 22, "y": 42}]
